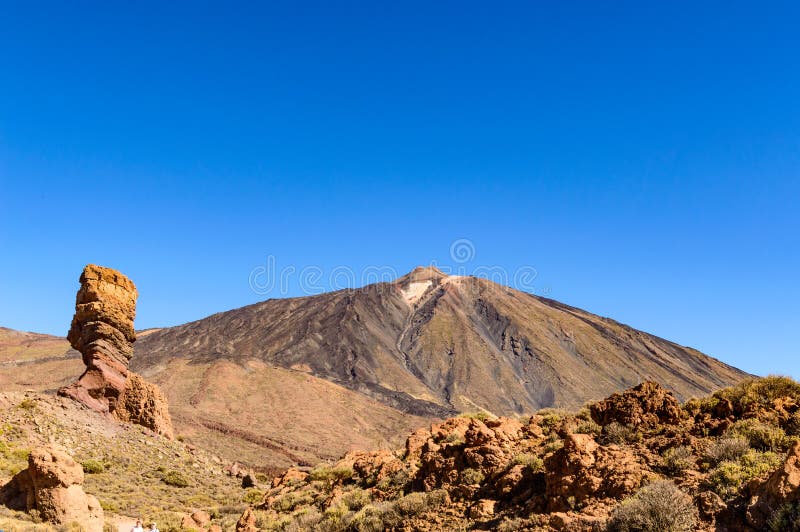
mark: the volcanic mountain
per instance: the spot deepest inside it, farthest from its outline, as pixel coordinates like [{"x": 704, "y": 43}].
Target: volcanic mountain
[
  {"x": 292, "y": 381},
  {"x": 426, "y": 345},
  {"x": 432, "y": 345}
]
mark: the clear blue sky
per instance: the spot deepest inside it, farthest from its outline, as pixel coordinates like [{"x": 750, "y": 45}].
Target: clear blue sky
[{"x": 645, "y": 160}]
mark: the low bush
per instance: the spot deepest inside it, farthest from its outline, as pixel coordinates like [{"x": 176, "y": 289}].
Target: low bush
[
  {"x": 729, "y": 476},
  {"x": 761, "y": 436},
  {"x": 292, "y": 500},
  {"x": 412, "y": 504},
  {"x": 376, "y": 518},
  {"x": 677, "y": 459},
  {"x": 589, "y": 427},
  {"x": 750, "y": 394},
  {"x": 481, "y": 415},
  {"x": 27, "y": 404},
  {"x": 530, "y": 460},
  {"x": 253, "y": 496},
  {"x": 395, "y": 483},
  {"x": 454, "y": 438},
  {"x": 657, "y": 507},
  {"x": 331, "y": 474},
  {"x": 356, "y": 499},
  {"x": 93, "y": 467},
  {"x": 617, "y": 433},
  {"x": 726, "y": 449},
  {"x": 175, "y": 478},
  {"x": 471, "y": 476}
]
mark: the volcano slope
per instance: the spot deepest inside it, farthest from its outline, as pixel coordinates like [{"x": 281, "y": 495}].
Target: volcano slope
[{"x": 292, "y": 381}]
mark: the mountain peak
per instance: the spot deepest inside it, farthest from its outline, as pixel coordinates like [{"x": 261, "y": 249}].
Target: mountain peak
[{"x": 422, "y": 274}]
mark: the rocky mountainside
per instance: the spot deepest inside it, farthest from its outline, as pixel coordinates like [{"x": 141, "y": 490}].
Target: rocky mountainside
[
  {"x": 636, "y": 461},
  {"x": 36, "y": 361},
  {"x": 433, "y": 345}
]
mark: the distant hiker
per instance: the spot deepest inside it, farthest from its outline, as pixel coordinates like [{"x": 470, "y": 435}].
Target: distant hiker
[
  {"x": 138, "y": 526},
  {"x": 153, "y": 528}
]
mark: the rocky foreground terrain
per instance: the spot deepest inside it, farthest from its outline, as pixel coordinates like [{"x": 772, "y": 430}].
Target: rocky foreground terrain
[
  {"x": 637, "y": 461},
  {"x": 130, "y": 470}
]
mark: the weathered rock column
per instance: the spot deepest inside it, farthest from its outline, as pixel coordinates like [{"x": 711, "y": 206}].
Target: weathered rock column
[{"x": 102, "y": 330}]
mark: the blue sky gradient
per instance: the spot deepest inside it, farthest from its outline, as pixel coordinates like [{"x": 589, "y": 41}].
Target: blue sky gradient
[{"x": 644, "y": 160}]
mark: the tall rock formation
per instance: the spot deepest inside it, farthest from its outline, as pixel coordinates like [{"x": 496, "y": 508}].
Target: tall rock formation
[{"x": 102, "y": 330}]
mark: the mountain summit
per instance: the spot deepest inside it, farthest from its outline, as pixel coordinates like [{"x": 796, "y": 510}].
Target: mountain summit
[{"x": 430, "y": 344}]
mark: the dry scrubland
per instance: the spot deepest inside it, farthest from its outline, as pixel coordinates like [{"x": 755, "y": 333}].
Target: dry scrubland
[
  {"x": 635, "y": 462},
  {"x": 131, "y": 471}
]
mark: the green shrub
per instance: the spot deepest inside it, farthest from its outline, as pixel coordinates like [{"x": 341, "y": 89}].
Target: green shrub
[
  {"x": 553, "y": 446},
  {"x": 726, "y": 449},
  {"x": 729, "y": 476},
  {"x": 437, "y": 498},
  {"x": 292, "y": 500},
  {"x": 356, "y": 499},
  {"x": 481, "y": 415},
  {"x": 93, "y": 466},
  {"x": 589, "y": 427},
  {"x": 471, "y": 476},
  {"x": 176, "y": 479},
  {"x": 786, "y": 518},
  {"x": 331, "y": 474},
  {"x": 397, "y": 482},
  {"x": 550, "y": 421},
  {"x": 412, "y": 504},
  {"x": 760, "y": 435},
  {"x": 454, "y": 438},
  {"x": 657, "y": 507},
  {"x": 253, "y": 496},
  {"x": 530, "y": 460},
  {"x": 677, "y": 459},
  {"x": 617, "y": 433},
  {"x": 27, "y": 404},
  {"x": 376, "y": 518}
]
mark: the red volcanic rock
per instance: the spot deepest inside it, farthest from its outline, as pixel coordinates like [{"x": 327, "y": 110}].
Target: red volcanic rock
[
  {"x": 102, "y": 330},
  {"x": 782, "y": 486},
  {"x": 247, "y": 523},
  {"x": 646, "y": 404},
  {"x": 582, "y": 469},
  {"x": 52, "y": 485}
]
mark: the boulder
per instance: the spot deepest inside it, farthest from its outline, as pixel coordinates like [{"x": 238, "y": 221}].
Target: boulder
[
  {"x": 201, "y": 517},
  {"x": 249, "y": 480},
  {"x": 52, "y": 485},
  {"x": 102, "y": 330},
  {"x": 782, "y": 487},
  {"x": 647, "y": 404},
  {"x": 247, "y": 522},
  {"x": 482, "y": 509},
  {"x": 583, "y": 470}
]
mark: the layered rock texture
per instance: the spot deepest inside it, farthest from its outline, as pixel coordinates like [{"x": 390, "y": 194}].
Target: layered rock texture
[
  {"x": 102, "y": 330},
  {"x": 52, "y": 484},
  {"x": 638, "y": 460}
]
